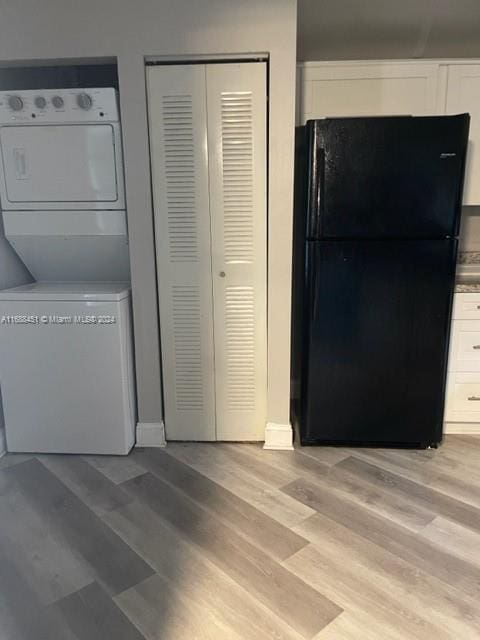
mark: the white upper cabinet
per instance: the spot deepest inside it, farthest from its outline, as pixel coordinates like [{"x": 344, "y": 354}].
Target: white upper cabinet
[
  {"x": 370, "y": 89},
  {"x": 463, "y": 96}
]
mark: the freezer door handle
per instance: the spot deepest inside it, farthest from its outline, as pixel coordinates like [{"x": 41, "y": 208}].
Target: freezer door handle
[
  {"x": 317, "y": 189},
  {"x": 471, "y": 398},
  {"x": 320, "y": 184}
]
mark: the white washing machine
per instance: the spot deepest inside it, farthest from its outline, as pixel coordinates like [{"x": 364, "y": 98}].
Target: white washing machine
[
  {"x": 67, "y": 368},
  {"x": 66, "y": 365}
]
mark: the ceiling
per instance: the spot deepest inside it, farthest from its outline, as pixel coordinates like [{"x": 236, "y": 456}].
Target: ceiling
[{"x": 377, "y": 29}]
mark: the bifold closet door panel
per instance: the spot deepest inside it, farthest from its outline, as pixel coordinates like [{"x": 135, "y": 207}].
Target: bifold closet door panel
[
  {"x": 236, "y": 109},
  {"x": 178, "y": 147}
]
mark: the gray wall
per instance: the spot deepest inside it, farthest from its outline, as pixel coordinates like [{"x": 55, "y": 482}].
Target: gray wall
[{"x": 129, "y": 31}]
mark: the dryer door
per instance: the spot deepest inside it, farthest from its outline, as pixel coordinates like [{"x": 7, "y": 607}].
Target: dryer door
[{"x": 61, "y": 167}]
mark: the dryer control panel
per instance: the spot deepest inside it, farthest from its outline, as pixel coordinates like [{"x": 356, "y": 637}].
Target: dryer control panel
[{"x": 58, "y": 105}]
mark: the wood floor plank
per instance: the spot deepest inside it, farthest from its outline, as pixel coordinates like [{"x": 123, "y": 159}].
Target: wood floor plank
[
  {"x": 115, "y": 565},
  {"x": 261, "y": 495},
  {"x": 295, "y": 464},
  {"x": 419, "y": 494},
  {"x": 416, "y": 590},
  {"x": 11, "y": 459},
  {"x": 406, "y": 468},
  {"x": 390, "y": 536},
  {"x": 375, "y": 499},
  {"x": 269, "y": 535},
  {"x": 22, "y": 615},
  {"x": 92, "y": 615},
  {"x": 184, "y": 569},
  {"x": 45, "y": 562},
  {"x": 163, "y": 613},
  {"x": 326, "y": 455},
  {"x": 246, "y": 456},
  {"x": 91, "y": 486},
  {"x": 359, "y": 591},
  {"x": 357, "y": 626},
  {"x": 117, "y": 469},
  {"x": 285, "y": 595},
  {"x": 455, "y": 539}
]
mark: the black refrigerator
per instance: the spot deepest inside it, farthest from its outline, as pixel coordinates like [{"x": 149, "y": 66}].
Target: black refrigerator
[{"x": 377, "y": 213}]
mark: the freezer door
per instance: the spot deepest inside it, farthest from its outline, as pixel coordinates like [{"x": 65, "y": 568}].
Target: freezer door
[
  {"x": 399, "y": 177},
  {"x": 376, "y": 327}
]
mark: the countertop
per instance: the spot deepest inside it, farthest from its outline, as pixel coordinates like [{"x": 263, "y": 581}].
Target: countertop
[
  {"x": 468, "y": 257},
  {"x": 473, "y": 287}
]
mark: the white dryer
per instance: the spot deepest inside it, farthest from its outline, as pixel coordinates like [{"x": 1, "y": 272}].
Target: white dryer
[{"x": 67, "y": 385}]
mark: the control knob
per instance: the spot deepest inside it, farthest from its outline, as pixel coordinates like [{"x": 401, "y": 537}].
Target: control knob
[
  {"x": 84, "y": 101},
  {"x": 15, "y": 103},
  {"x": 57, "y": 102},
  {"x": 40, "y": 102}
]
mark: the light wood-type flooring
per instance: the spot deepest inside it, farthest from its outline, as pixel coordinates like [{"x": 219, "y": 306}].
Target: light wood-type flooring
[{"x": 227, "y": 541}]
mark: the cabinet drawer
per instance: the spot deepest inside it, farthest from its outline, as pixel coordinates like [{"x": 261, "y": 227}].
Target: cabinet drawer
[
  {"x": 463, "y": 397},
  {"x": 466, "y": 306},
  {"x": 464, "y": 346}
]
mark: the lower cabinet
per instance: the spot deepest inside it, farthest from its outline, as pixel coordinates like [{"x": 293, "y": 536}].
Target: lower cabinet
[
  {"x": 462, "y": 402},
  {"x": 207, "y": 126}
]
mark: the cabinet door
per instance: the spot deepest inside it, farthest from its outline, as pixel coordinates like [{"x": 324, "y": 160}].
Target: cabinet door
[
  {"x": 463, "y": 397},
  {"x": 236, "y": 105},
  {"x": 463, "y": 96},
  {"x": 178, "y": 145},
  {"x": 464, "y": 346},
  {"x": 371, "y": 89}
]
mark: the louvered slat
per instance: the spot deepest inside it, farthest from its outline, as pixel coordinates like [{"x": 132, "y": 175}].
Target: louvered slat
[{"x": 180, "y": 177}]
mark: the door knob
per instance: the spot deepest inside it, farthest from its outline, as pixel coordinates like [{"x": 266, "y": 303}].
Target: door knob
[{"x": 222, "y": 274}]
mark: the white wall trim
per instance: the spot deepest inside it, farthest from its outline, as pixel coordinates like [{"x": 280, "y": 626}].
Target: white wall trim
[
  {"x": 151, "y": 434},
  {"x": 278, "y": 436},
  {"x": 462, "y": 428},
  {"x": 3, "y": 443}
]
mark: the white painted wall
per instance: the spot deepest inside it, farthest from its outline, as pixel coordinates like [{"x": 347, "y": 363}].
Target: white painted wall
[{"x": 129, "y": 31}]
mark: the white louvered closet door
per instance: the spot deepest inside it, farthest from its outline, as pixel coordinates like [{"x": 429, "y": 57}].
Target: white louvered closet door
[
  {"x": 236, "y": 110},
  {"x": 178, "y": 140}
]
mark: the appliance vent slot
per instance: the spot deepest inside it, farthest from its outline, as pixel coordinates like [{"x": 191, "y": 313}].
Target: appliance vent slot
[
  {"x": 187, "y": 339},
  {"x": 240, "y": 347},
  {"x": 179, "y": 148},
  {"x": 237, "y": 165}
]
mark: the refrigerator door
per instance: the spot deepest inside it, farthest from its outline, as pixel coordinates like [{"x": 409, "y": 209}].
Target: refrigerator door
[
  {"x": 376, "y": 326},
  {"x": 386, "y": 177}
]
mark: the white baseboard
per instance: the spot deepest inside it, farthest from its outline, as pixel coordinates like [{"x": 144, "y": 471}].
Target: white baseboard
[
  {"x": 151, "y": 434},
  {"x": 462, "y": 428},
  {"x": 278, "y": 436},
  {"x": 3, "y": 443}
]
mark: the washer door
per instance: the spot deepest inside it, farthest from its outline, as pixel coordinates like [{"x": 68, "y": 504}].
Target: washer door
[{"x": 61, "y": 166}]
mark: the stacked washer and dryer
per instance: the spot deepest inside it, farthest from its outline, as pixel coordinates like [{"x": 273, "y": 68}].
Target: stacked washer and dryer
[{"x": 66, "y": 355}]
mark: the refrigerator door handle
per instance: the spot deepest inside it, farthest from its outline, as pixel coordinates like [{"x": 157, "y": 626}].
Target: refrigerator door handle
[
  {"x": 316, "y": 195},
  {"x": 314, "y": 307},
  {"x": 319, "y": 196}
]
